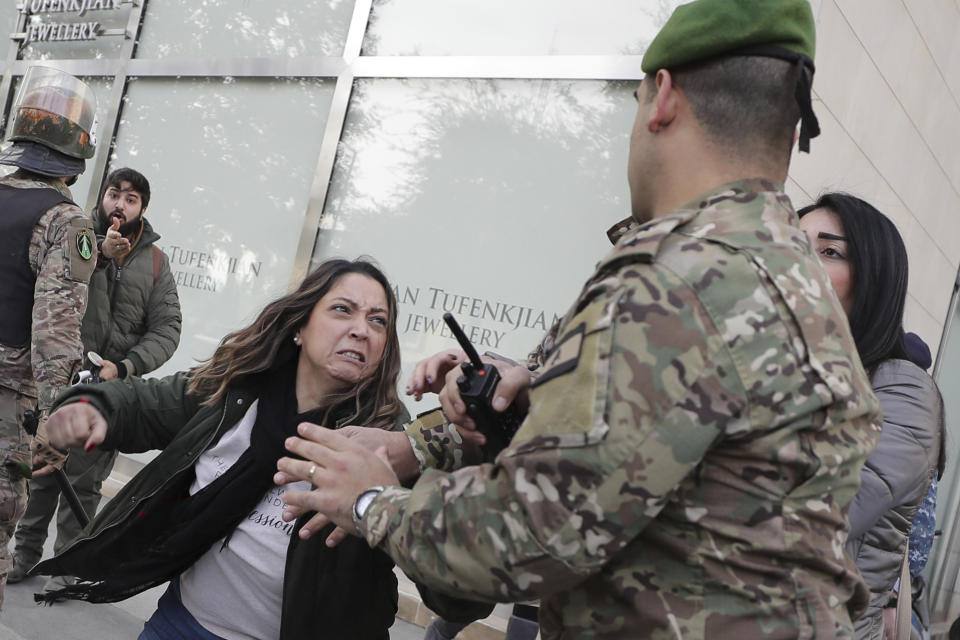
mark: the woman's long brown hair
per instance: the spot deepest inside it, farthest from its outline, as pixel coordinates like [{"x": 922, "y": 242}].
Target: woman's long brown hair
[{"x": 255, "y": 349}]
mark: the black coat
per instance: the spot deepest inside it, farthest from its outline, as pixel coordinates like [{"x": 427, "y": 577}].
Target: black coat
[{"x": 360, "y": 587}]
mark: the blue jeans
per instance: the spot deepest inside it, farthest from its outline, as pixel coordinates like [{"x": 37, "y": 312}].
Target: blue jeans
[{"x": 172, "y": 621}]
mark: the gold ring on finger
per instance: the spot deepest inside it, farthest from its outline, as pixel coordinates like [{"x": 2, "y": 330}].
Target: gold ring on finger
[{"x": 313, "y": 468}]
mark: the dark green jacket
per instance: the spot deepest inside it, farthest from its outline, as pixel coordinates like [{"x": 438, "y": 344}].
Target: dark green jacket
[
  {"x": 133, "y": 312},
  {"x": 159, "y": 414}
]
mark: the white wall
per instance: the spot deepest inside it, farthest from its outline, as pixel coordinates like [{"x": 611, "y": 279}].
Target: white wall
[{"x": 888, "y": 98}]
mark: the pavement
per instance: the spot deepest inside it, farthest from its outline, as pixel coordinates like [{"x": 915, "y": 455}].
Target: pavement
[{"x": 23, "y": 619}]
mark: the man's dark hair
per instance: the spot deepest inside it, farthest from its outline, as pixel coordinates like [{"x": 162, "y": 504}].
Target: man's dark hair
[
  {"x": 746, "y": 104},
  {"x": 878, "y": 258},
  {"x": 136, "y": 179}
]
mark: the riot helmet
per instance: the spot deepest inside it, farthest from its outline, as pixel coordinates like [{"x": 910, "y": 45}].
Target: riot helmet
[{"x": 54, "y": 124}]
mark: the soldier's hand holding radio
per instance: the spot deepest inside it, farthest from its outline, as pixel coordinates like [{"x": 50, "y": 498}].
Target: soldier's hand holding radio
[
  {"x": 488, "y": 397},
  {"x": 440, "y": 373},
  {"x": 510, "y": 391}
]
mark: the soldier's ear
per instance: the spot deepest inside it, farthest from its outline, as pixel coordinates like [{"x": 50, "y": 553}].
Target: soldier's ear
[{"x": 665, "y": 102}]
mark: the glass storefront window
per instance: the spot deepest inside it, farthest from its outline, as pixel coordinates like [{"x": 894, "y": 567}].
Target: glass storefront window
[
  {"x": 506, "y": 27},
  {"x": 9, "y": 13},
  {"x": 249, "y": 29},
  {"x": 486, "y": 198},
  {"x": 230, "y": 165},
  {"x": 59, "y": 28}
]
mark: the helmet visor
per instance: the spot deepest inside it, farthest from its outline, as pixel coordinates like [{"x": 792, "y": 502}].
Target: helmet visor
[{"x": 59, "y": 93}]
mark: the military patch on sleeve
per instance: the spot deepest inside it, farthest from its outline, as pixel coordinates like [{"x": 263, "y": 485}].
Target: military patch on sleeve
[
  {"x": 432, "y": 418},
  {"x": 85, "y": 244},
  {"x": 79, "y": 250},
  {"x": 564, "y": 356},
  {"x": 568, "y": 400}
]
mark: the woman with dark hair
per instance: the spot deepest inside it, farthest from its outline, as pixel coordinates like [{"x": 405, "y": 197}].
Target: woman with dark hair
[
  {"x": 864, "y": 256},
  {"x": 205, "y": 514}
]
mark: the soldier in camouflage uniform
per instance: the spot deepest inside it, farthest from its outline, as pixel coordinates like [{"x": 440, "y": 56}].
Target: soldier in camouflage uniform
[
  {"x": 438, "y": 442},
  {"x": 697, "y": 430},
  {"x": 48, "y": 255}
]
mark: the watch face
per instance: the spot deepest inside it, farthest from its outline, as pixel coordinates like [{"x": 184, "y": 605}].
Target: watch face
[{"x": 363, "y": 502}]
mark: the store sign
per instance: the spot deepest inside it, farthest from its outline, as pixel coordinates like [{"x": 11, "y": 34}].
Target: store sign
[
  {"x": 208, "y": 268},
  {"x": 38, "y": 31},
  {"x": 485, "y": 322}
]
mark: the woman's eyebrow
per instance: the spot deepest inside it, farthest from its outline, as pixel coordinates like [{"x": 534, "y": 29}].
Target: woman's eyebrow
[
  {"x": 830, "y": 236},
  {"x": 356, "y": 305}
]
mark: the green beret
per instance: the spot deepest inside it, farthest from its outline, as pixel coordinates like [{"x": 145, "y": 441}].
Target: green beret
[{"x": 708, "y": 29}]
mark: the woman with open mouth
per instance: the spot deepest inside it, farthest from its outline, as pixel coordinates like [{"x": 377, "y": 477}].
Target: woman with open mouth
[{"x": 205, "y": 515}]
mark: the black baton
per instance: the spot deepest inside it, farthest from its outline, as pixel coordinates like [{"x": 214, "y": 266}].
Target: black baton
[{"x": 30, "y": 424}]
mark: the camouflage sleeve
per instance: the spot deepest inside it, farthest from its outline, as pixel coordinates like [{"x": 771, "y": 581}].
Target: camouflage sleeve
[
  {"x": 631, "y": 398},
  {"x": 437, "y": 444},
  {"x": 65, "y": 260},
  {"x": 536, "y": 358}
]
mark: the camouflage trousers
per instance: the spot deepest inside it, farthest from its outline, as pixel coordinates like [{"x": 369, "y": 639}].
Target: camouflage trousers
[{"x": 14, "y": 448}]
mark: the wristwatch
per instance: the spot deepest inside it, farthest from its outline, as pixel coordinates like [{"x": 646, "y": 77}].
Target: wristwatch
[{"x": 363, "y": 502}]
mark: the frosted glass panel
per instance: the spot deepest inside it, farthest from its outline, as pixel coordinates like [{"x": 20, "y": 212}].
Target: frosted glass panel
[
  {"x": 487, "y": 198},
  {"x": 8, "y": 19},
  {"x": 507, "y": 27},
  {"x": 230, "y": 165},
  {"x": 58, "y": 26},
  {"x": 101, "y": 88},
  {"x": 248, "y": 29}
]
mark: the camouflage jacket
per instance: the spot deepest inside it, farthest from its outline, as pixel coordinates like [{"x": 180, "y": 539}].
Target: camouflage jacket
[
  {"x": 691, "y": 446},
  {"x": 44, "y": 368}
]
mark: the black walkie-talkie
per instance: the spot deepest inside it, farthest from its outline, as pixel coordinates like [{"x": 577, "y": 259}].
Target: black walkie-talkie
[{"x": 477, "y": 387}]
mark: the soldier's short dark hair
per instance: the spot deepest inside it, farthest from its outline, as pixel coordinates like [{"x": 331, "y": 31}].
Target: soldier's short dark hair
[
  {"x": 136, "y": 179},
  {"x": 746, "y": 104}
]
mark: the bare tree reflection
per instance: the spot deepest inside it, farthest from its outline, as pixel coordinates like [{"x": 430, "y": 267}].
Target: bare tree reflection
[
  {"x": 230, "y": 162},
  {"x": 397, "y": 128},
  {"x": 506, "y": 27},
  {"x": 458, "y": 168},
  {"x": 248, "y": 29}
]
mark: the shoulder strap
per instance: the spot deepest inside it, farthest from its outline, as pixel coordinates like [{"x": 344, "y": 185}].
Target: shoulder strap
[
  {"x": 904, "y": 598},
  {"x": 642, "y": 243},
  {"x": 157, "y": 262}
]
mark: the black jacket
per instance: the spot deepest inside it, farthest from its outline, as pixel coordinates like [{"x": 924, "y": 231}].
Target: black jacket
[{"x": 359, "y": 583}]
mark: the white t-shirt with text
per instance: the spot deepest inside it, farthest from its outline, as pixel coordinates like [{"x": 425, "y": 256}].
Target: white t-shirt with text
[{"x": 235, "y": 591}]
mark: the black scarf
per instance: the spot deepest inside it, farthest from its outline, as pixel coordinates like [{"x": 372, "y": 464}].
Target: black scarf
[{"x": 180, "y": 530}]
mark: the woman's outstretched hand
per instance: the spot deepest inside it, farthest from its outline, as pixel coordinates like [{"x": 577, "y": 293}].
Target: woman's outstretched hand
[
  {"x": 429, "y": 374},
  {"x": 340, "y": 470}
]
